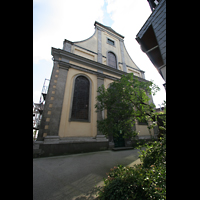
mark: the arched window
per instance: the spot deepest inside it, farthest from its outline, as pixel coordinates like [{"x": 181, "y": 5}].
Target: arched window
[
  {"x": 112, "y": 61},
  {"x": 80, "y": 105}
]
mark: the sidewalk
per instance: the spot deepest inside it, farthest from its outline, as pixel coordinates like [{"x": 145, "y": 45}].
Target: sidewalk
[{"x": 74, "y": 177}]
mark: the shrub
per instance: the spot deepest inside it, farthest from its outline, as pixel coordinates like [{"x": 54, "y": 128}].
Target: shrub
[
  {"x": 122, "y": 183},
  {"x": 141, "y": 182},
  {"x": 136, "y": 183},
  {"x": 154, "y": 154}
]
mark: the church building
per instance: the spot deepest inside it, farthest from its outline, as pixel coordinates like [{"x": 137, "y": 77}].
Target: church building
[{"x": 69, "y": 119}]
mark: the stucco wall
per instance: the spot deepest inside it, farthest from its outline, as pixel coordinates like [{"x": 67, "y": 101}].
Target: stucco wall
[
  {"x": 107, "y": 47},
  {"x": 128, "y": 59},
  {"x": 90, "y": 43},
  {"x": 78, "y": 129},
  {"x": 85, "y": 129},
  {"x": 89, "y": 49},
  {"x": 135, "y": 72},
  {"x": 143, "y": 130}
]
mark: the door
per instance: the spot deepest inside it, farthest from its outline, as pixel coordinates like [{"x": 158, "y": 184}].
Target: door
[{"x": 119, "y": 141}]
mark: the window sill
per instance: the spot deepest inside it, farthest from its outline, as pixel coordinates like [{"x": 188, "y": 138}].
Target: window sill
[{"x": 79, "y": 120}]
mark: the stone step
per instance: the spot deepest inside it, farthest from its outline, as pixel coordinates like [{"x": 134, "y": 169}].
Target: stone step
[{"x": 121, "y": 148}]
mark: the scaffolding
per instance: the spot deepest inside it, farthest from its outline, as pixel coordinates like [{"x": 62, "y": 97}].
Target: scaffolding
[
  {"x": 44, "y": 90},
  {"x": 38, "y": 108}
]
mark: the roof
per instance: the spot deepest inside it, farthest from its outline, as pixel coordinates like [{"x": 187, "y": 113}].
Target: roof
[
  {"x": 108, "y": 28},
  {"x": 155, "y": 14}
]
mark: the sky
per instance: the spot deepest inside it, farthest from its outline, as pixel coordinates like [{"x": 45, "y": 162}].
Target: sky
[{"x": 54, "y": 21}]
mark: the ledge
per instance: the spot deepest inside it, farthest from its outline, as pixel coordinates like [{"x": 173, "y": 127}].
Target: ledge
[
  {"x": 82, "y": 140},
  {"x": 69, "y": 140},
  {"x": 96, "y": 65},
  {"x": 121, "y": 148}
]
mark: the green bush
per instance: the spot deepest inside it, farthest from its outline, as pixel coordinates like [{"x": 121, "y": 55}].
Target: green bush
[
  {"x": 134, "y": 183},
  {"x": 154, "y": 154},
  {"x": 143, "y": 181},
  {"x": 122, "y": 183}
]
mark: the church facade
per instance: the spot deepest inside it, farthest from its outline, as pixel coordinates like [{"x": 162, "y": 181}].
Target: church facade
[{"x": 69, "y": 119}]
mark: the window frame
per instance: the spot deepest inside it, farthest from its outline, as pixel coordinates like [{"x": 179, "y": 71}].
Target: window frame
[
  {"x": 72, "y": 97},
  {"x": 115, "y": 57},
  {"x": 111, "y": 41}
]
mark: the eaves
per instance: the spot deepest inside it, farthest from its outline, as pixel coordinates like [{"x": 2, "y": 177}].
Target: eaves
[{"x": 149, "y": 20}]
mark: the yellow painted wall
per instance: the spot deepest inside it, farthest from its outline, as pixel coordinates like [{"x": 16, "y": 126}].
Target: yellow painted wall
[
  {"x": 135, "y": 72},
  {"x": 128, "y": 59},
  {"x": 85, "y": 54},
  {"x": 107, "y": 82},
  {"x": 78, "y": 129},
  {"x": 89, "y": 129},
  {"x": 109, "y": 74},
  {"x": 82, "y": 65},
  {"x": 143, "y": 130},
  {"x": 85, "y": 129},
  {"x": 90, "y": 43},
  {"x": 107, "y": 47}
]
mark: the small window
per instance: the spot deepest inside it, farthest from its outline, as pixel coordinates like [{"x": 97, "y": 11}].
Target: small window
[{"x": 111, "y": 42}]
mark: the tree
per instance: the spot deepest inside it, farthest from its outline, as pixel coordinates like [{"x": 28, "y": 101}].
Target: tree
[{"x": 126, "y": 100}]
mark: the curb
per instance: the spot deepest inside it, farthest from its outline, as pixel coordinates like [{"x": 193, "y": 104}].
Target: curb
[{"x": 135, "y": 163}]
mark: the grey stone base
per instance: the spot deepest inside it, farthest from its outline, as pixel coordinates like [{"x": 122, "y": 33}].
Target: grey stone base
[
  {"x": 144, "y": 137},
  {"x": 51, "y": 140},
  {"x": 36, "y": 149},
  {"x": 101, "y": 137},
  {"x": 53, "y": 146},
  {"x": 121, "y": 148},
  {"x": 111, "y": 145}
]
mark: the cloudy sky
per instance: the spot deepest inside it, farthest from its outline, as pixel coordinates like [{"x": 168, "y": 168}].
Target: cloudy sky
[{"x": 56, "y": 20}]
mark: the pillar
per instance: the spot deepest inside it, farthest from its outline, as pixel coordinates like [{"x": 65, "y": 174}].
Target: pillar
[
  {"x": 100, "y": 81},
  {"x": 50, "y": 122},
  {"x": 122, "y": 55}
]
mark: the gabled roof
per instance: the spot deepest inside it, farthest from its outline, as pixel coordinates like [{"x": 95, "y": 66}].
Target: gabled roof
[{"x": 108, "y": 28}]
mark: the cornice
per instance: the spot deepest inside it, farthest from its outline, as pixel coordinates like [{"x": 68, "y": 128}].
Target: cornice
[
  {"x": 110, "y": 33},
  {"x": 66, "y": 66},
  {"x": 99, "y": 26},
  {"x": 96, "y": 65}
]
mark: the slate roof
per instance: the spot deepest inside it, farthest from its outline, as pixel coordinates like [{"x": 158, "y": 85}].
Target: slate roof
[{"x": 158, "y": 21}]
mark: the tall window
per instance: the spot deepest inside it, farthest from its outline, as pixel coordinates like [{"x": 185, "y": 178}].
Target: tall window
[
  {"x": 80, "y": 106},
  {"x": 112, "y": 61}
]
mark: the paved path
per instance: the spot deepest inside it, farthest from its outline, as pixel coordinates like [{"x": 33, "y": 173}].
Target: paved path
[{"x": 74, "y": 177}]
